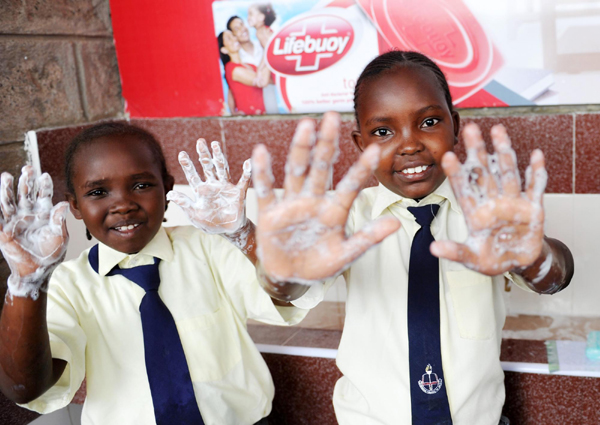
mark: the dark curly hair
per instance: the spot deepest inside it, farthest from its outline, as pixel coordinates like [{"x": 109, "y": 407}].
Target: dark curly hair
[
  {"x": 224, "y": 56},
  {"x": 111, "y": 129},
  {"x": 396, "y": 59}
]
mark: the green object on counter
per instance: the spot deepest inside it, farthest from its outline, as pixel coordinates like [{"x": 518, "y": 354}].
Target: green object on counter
[
  {"x": 592, "y": 350},
  {"x": 553, "y": 365}
]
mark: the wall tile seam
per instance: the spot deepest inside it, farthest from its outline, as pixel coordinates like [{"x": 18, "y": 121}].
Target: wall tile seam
[
  {"x": 223, "y": 140},
  {"x": 349, "y": 116},
  {"x": 529, "y": 110},
  {"x": 57, "y": 37},
  {"x": 574, "y": 162},
  {"x": 10, "y": 142},
  {"x": 119, "y": 117}
]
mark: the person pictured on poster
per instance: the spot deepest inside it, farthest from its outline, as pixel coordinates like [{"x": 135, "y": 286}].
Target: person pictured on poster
[
  {"x": 253, "y": 53},
  {"x": 261, "y": 16},
  {"x": 241, "y": 77}
]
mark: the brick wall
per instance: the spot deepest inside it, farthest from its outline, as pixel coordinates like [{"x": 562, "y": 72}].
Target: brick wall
[{"x": 58, "y": 66}]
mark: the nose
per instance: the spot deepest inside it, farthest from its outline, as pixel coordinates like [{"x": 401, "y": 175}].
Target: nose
[
  {"x": 409, "y": 143},
  {"x": 123, "y": 204}
]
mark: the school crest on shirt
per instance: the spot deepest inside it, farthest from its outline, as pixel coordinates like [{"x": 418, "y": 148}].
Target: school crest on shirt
[{"x": 429, "y": 383}]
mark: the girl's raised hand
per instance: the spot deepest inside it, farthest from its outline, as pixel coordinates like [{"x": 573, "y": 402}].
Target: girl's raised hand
[
  {"x": 219, "y": 206},
  {"x": 301, "y": 238},
  {"x": 506, "y": 227},
  {"x": 33, "y": 234}
]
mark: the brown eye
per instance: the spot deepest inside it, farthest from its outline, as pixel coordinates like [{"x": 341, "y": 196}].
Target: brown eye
[
  {"x": 430, "y": 122},
  {"x": 141, "y": 186},
  {"x": 95, "y": 193},
  {"x": 382, "y": 132}
]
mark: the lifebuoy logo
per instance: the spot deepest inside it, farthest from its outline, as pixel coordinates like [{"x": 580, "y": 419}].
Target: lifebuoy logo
[{"x": 310, "y": 44}]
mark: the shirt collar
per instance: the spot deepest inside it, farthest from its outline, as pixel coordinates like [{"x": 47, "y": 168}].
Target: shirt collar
[
  {"x": 386, "y": 198},
  {"x": 159, "y": 246}
]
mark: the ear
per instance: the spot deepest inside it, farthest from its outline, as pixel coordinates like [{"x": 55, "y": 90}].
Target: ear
[
  {"x": 358, "y": 140},
  {"x": 224, "y": 50},
  {"x": 72, "y": 200},
  {"x": 456, "y": 122},
  {"x": 169, "y": 183}
]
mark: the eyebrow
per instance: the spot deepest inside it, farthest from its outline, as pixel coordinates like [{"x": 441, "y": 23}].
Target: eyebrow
[
  {"x": 101, "y": 182},
  {"x": 384, "y": 119},
  {"x": 94, "y": 183},
  {"x": 144, "y": 175},
  {"x": 428, "y": 108}
]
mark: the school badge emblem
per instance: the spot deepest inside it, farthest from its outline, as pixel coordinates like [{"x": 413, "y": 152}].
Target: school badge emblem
[{"x": 429, "y": 383}]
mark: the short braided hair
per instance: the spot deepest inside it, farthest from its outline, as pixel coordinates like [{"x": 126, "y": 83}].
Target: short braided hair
[
  {"x": 395, "y": 59},
  {"x": 112, "y": 129}
]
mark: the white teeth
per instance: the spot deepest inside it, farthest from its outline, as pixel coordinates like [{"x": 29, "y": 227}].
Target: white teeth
[
  {"x": 130, "y": 227},
  {"x": 417, "y": 170}
]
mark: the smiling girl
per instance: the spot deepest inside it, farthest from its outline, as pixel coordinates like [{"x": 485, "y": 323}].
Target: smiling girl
[
  {"x": 154, "y": 318},
  {"x": 422, "y": 334}
]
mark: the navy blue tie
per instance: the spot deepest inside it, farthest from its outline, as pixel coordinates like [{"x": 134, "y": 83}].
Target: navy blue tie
[
  {"x": 168, "y": 374},
  {"x": 429, "y": 401}
]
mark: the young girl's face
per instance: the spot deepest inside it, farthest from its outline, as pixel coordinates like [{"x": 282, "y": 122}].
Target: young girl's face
[
  {"x": 255, "y": 18},
  {"x": 119, "y": 192},
  {"x": 405, "y": 112}
]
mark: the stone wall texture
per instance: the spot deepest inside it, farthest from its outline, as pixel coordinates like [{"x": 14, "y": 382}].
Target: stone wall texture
[
  {"x": 58, "y": 68},
  {"x": 58, "y": 65}
]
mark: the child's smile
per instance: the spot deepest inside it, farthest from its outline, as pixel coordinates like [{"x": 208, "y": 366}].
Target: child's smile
[
  {"x": 119, "y": 192},
  {"x": 404, "y": 111}
]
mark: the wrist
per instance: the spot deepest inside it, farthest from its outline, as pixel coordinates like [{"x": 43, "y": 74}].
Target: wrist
[
  {"x": 243, "y": 237},
  {"x": 537, "y": 265},
  {"x": 30, "y": 285},
  {"x": 279, "y": 289}
]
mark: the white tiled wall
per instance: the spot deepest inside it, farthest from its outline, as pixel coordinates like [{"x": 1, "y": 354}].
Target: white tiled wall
[
  {"x": 70, "y": 415},
  {"x": 573, "y": 220}
]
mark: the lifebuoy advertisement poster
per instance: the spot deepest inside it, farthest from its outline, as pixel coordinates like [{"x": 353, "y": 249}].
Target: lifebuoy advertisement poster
[{"x": 304, "y": 56}]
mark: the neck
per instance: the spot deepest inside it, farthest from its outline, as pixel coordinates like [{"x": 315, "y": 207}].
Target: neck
[
  {"x": 248, "y": 46},
  {"x": 235, "y": 57}
]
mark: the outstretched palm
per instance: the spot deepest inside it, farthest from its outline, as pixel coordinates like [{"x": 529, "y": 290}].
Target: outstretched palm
[
  {"x": 33, "y": 234},
  {"x": 219, "y": 205},
  {"x": 505, "y": 226},
  {"x": 302, "y": 238}
]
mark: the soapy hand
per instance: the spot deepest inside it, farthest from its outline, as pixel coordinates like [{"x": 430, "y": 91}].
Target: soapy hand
[
  {"x": 301, "y": 238},
  {"x": 220, "y": 206},
  {"x": 33, "y": 234},
  {"x": 506, "y": 227}
]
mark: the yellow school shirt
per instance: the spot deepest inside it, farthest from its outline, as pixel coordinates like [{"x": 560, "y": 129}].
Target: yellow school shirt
[
  {"x": 210, "y": 289},
  {"x": 373, "y": 353}
]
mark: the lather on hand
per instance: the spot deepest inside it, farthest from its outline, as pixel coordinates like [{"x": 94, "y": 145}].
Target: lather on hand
[{"x": 33, "y": 233}]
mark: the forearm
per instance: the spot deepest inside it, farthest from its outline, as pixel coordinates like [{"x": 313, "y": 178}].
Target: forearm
[
  {"x": 281, "y": 293},
  {"x": 264, "y": 77},
  {"x": 27, "y": 369},
  {"x": 552, "y": 271}
]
